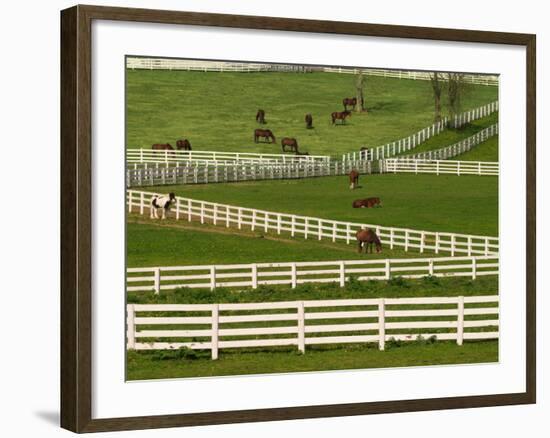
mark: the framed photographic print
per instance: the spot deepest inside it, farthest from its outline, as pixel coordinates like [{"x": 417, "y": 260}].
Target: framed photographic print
[{"x": 268, "y": 219}]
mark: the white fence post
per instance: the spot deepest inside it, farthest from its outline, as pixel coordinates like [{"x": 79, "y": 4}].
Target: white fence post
[
  {"x": 460, "y": 321},
  {"x": 293, "y": 276},
  {"x": 141, "y": 202},
  {"x": 431, "y": 267},
  {"x": 212, "y": 277},
  {"x": 131, "y": 327},
  {"x": 215, "y": 330},
  {"x": 387, "y": 269},
  {"x": 381, "y": 324},
  {"x": 301, "y": 327},
  {"x": 342, "y": 274},
  {"x": 157, "y": 280},
  {"x": 474, "y": 268},
  {"x": 254, "y": 276}
]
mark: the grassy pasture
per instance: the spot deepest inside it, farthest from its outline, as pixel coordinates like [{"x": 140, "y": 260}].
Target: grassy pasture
[
  {"x": 216, "y": 111},
  {"x": 486, "y": 151},
  {"x": 465, "y": 204}
]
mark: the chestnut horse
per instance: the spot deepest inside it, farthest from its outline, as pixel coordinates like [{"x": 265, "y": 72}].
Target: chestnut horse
[
  {"x": 158, "y": 147},
  {"x": 260, "y": 117},
  {"x": 351, "y": 101},
  {"x": 366, "y": 237},
  {"x": 292, "y": 143},
  {"x": 183, "y": 145},
  {"x": 309, "y": 121},
  {"x": 340, "y": 116},
  {"x": 353, "y": 179},
  {"x": 367, "y": 203},
  {"x": 264, "y": 133}
]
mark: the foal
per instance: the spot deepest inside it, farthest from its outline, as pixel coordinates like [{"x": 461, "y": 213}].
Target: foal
[{"x": 164, "y": 202}]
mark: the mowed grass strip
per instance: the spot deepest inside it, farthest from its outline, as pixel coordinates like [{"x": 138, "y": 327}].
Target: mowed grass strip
[
  {"x": 162, "y": 365},
  {"x": 466, "y": 204},
  {"x": 216, "y": 111}
]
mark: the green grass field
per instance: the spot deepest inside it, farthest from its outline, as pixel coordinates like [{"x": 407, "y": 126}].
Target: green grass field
[
  {"x": 486, "y": 151},
  {"x": 216, "y": 111},
  {"x": 159, "y": 365},
  {"x": 465, "y": 204}
]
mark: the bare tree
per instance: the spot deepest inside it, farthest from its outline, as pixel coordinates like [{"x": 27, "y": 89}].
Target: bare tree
[
  {"x": 455, "y": 90},
  {"x": 437, "y": 86},
  {"x": 360, "y": 83}
]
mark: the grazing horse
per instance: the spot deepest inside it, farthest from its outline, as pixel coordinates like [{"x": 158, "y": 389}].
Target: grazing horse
[
  {"x": 183, "y": 145},
  {"x": 157, "y": 147},
  {"x": 366, "y": 203},
  {"x": 353, "y": 179},
  {"x": 340, "y": 116},
  {"x": 351, "y": 101},
  {"x": 260, "y": 117},
  {"x": 163, "y": 202},
  {"x": 264, "y": 133},
  {"x": 292, "y": 143},
  {"x": 309, "y": 121},
  {"x": 367, "y": 237}
]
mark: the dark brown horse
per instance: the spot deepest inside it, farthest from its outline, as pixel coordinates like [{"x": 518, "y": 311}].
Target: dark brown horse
[
  {"x": 158, "y": 147},
  {"x": 309, "y": 121},
  {"x": 260, "y": 117},
  {"x": 366, "y": 237},
  {"x": 351, "y": 101},
  {"x": 291, "y": 143},
  {"x": 263, "y": 133},
  {"x": 353, "y": 179},
  {"x": 184, "y": 145},
  {"x": 340, "y": 116},
  {"x": 366, "y": 203}
]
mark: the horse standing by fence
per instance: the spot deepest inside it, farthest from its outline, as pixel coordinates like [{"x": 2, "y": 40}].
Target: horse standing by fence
[
  {"x": 309, "y": 121},
  {"x": 351, "y": 101},
  {"x": 260, "y": 117},
  {"x": 340, "y": 116},
  {"x": 163, "y": 202},
  {"x": 291, "y": 143},
  {"x": 263, "y": 133},
  {"x": 366, "y": 237},
  {"x": 184, "y": 145},
  {"x": 353, "y": 179},
  {"x": 159, "y": 147}
]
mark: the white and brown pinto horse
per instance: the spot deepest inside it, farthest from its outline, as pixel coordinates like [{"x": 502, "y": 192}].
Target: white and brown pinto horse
[
  {"x": 366, "y": 237},
  {"x": 162, "y": 202}
]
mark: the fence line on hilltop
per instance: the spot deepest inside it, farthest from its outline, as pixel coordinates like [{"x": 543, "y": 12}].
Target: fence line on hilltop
[
  {"x": 441, "y": 167},
  {"x": 412, "y": 141},
  {"x": 316, "y": 228},
  {"x": 221, "y": 326},
  {"x": 340, "y": 272}
]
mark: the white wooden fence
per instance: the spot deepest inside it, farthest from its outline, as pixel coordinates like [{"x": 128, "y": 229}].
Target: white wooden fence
[
  {"x": 478, "y": 79},
  {"x": 406, "y": 144},
  {"x": 216, "y": 157},
  {"x": 156, "y": 174},
  {"x": 441, "y": 167},
  {"x": 222, "y": 326},
  {"x": 316, "y": 228},
  {"x": 253, "y": 275},
  {"x": 458, "y": 148}
]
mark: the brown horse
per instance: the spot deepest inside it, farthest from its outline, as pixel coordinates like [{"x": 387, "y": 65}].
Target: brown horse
[
  {"x": 292, "y": 143},
  {"x": 158, "y": 147},
  {"x": 184, "y": 145},
  {"x": 367, "y": 237},
  {"x": 309, "y": 121},
  {"x": 351, "y": 101},
  {"x": 353, "y": 179},
  {"x": 263, "y": 133},
  {"x": 366, "y": 203},
  {"x": 260, "y": 117},
  {"x": 340, "y": 116}
]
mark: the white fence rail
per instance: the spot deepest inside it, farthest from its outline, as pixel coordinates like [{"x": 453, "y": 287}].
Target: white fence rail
[
  {"x": 441, "y": 167},
  {"x": 478, "y": 79},
  {"x": 221, "y": 326},
  {"x": 316, "y": 228},
  {"x": 406, "y": 144},
  {"x": 156, "y": 174},
  {"x": 252, "y": 275},
  {"x": 457, "y": 148},
  {"x": 212, "y": 157}
]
